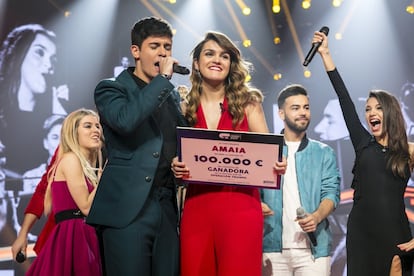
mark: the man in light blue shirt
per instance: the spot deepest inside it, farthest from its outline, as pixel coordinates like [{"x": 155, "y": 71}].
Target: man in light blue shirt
[{"x": 311, "y": 181}]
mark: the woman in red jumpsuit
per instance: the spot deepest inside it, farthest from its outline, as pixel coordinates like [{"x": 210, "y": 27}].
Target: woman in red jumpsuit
[{"x": 222, "y": 225}]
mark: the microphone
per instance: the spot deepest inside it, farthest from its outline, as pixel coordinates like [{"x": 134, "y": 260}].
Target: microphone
[
  {"x": 222, "y": 109},
  {"x": 315, "y": 47},
  {"x": 180, "y": 69},
  {"x": 301, "y": 214},
  {"x": 20, "y": 257}
]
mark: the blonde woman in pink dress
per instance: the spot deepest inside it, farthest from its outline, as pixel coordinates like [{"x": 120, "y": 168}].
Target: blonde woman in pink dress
[{"x": 73, "y": 248}]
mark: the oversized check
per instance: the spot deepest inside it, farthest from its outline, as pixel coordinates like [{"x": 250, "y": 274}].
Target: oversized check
[{"x": 230, "y": 157}]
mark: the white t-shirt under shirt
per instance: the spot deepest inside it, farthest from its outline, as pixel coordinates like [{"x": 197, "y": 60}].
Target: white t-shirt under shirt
[{"x": 292, "y": 234}]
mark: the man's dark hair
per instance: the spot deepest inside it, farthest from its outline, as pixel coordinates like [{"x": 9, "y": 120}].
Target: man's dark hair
[
  {"x": 288, "y": 91},
  {"x": 149, "y": 26}
]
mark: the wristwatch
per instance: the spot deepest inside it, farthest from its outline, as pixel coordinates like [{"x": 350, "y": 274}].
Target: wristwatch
[{"x": 168, "y": 77}]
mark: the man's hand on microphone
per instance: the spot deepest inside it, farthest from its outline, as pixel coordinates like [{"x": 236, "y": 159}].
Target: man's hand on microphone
[
  {"x": 309, "y": 223},
  {"x": 166, "y": 65}
]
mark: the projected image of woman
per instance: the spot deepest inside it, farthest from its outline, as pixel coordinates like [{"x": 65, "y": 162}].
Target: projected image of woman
[{"x": 27, "y": 63}]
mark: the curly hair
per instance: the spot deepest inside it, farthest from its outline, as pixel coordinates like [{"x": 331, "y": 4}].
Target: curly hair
[{"x": 237, "y": 91}]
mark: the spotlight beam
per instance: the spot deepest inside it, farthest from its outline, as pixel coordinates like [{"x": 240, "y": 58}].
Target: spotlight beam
[
  {"x": 292, "y": 29},
  {"x": 272, "y": 23},
  {"x": 243, "y": 7},
  {"x": 262, "y": 60},
  {"x": 151, "y": 8},
  {"x": 170, "y": 13},
  {"x": 348, "y": 17},
  {"x": 236, "y": 21}
]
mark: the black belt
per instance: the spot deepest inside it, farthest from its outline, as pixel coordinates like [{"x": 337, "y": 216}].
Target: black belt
[{"x": 68, "y": 214}]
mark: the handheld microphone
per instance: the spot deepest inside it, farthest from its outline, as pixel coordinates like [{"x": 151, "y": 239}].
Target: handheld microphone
[
  {"x": 180, "y": 69},
  {"x": 301, "y": 214},
  {"x": 20, "y": 257},
  {"x": 315, "y": 47}
]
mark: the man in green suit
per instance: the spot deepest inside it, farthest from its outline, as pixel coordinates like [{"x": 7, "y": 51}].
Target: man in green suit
[{"x": 135, "y": 204}]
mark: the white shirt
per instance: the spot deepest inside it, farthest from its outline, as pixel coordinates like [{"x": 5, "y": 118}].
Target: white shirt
[{"x": 292, "y": 235}]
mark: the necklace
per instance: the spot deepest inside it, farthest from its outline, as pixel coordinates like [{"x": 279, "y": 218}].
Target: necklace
[{"x": 384, "y": 148}]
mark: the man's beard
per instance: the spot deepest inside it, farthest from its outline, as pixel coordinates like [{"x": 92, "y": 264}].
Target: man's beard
[{"x": 296, "y": 127}]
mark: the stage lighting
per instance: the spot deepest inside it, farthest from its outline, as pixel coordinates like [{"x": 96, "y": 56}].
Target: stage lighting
[
  {"x": 247, "y": 43},
  {"x": 307, "y": 74},
  {"x": 276, "y": 40},
  {"x": 306, "y": 4},
  {"x": 277, "y": 76},
  {"x": 336, "y": 3},
  {"x": 244, "y": 8},
  {"x": 276, "y": 6},
  {"x": 338, "y": 36},
  {"x": 410, "y": 8}
]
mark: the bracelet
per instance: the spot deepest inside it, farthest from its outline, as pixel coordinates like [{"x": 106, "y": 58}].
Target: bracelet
[{"x": 168, "y": 77}]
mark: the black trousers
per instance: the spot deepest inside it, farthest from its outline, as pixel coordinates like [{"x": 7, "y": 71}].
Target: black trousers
[{"x": 149, "y": 246}]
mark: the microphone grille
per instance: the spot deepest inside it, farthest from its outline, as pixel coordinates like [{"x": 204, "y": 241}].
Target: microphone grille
[
  {"x": 300, "y": 212},
  {"x": 324, "y": 30}
]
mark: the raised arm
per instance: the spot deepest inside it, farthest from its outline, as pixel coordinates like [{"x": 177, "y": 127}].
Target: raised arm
[
  {"x": 323, "y": 50},
  {"x": 357, "y": 131}
]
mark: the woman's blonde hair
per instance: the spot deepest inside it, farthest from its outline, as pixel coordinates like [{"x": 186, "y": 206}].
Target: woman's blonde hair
[{"x": 69, "y": 142}]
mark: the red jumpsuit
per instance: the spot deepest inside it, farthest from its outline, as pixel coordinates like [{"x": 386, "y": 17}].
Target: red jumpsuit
[{"x": 222, "y": 225}]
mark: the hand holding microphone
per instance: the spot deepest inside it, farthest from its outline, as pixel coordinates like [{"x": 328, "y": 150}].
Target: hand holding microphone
[
  {"x": 19, "y": 248},
  {"x": 315, "y": 47},
  {"x": 301, "y": 214},
  {"x": 165, "y": 65},
  {"x": 20, "y": 257}
]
